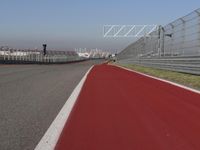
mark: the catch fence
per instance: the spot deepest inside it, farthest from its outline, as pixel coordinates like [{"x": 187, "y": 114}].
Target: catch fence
[{"x": 175, "y": 46}]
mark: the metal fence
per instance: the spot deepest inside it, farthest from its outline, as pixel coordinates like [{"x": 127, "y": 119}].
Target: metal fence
[
  {"x": 175, "y": 46},
  {"x": 10, "y": 55}
]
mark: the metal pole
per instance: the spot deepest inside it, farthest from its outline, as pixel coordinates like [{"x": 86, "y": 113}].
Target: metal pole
[
  {"x": 163, "y": 41},
  {"x": 4, "y": 54},
  {"x": 159, "y": 39}
]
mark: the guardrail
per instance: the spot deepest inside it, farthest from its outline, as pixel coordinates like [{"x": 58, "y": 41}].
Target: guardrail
[{"x": 185, "y": 64}]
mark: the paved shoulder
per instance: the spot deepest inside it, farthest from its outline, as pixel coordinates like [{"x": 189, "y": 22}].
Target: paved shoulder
[{"x": 118, "y": 109}]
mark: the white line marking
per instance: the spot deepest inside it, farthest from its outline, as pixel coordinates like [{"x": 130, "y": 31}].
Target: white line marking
[
  {"x": 129, "y": 30},
  {"x": 50, "y": 138},
  {"x": 140, "y": 30},
  {"x": 154, "y": 28},
  {"x": 109, "y": 30},
  {"x": 121, "y": 28},
  {"x": 163, "y": 80}
]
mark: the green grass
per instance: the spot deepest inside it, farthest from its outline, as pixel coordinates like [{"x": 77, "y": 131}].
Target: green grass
[{"x": 192, "y": 81}]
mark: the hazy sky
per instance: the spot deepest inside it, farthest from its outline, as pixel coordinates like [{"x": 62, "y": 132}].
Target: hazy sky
[{"x": 69, "y": 24}]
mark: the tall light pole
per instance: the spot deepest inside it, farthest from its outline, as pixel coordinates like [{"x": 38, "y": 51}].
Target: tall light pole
[{"x": 44, "y": 49}]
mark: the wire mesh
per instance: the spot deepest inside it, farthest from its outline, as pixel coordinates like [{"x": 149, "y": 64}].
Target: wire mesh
[{"x": 178, "y": 38}]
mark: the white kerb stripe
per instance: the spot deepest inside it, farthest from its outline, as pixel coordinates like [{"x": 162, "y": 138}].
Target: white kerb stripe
[
  {"x": 50, "y": 138},
  {"x": 163, "y": 80}
]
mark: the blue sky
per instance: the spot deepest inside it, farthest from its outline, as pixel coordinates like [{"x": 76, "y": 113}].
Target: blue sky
[{"x": 69, "y": 24}]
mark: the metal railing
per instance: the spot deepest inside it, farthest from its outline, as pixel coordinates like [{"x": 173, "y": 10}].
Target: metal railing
[
  {"x": 9, "y": 55},
  {"x": 175, "y": 46}
]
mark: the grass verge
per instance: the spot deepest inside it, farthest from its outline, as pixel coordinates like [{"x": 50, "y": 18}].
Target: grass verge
[{"x": 189, "y": 80}]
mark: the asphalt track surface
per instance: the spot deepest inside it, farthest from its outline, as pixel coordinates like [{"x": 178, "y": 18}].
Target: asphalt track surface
[
  {"x": 121, "y": 110},
  {"x": 30, "y": 98}
]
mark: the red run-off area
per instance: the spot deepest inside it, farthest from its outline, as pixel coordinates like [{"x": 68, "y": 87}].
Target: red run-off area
[{"x": 121, "y": 110}]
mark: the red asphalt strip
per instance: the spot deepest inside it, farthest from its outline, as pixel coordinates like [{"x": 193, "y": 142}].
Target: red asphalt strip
[{"x": 121, "y": 110}]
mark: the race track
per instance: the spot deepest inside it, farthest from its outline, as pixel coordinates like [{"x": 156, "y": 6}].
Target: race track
[{"x": 30, "y": 98}]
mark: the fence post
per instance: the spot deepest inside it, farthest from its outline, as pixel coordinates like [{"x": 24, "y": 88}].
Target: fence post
[
  {"x": 198, "y": 13},
  {"x": 183, "y": 35},
  {"x": 172, "y": 39},
  {"x": 163, "y": 41},
  {"x": 159, "y": 40}
]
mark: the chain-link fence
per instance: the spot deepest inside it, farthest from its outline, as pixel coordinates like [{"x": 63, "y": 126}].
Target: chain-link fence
[{"x": 175, "y": 46}]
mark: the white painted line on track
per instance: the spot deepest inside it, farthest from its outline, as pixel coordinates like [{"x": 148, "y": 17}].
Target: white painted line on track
[
  {"x": 50, "y": 138},
  {"x": 163, "y": 80}
]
